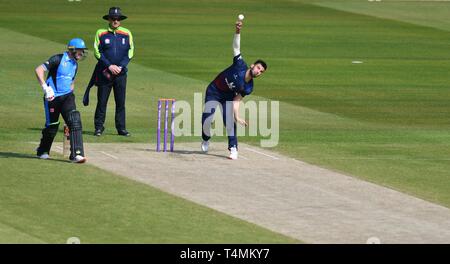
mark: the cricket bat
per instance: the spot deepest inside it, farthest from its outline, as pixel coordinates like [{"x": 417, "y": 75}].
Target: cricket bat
[{"x": 66, "y": 141}]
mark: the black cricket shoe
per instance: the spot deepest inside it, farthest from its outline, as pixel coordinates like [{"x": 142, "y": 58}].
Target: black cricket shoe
[
  {"x": 123, "y": 133},
  {"x": 99, "y": 131}
]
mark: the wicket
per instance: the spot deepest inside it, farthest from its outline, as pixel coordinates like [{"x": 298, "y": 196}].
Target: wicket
[{"x": 166, "y": 121}]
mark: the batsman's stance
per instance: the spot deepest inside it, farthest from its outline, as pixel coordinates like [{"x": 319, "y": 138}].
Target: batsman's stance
[
  {"x": 228, "y": 89},
  {"x": 59, "y": 99}
]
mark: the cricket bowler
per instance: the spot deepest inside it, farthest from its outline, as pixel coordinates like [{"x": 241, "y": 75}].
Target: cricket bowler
[{"x": 226, "y": 91}]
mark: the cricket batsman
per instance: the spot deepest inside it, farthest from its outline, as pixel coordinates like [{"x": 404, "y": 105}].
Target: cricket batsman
[
  {"x": 59, "y": 99},
  {"x": 227, "y": 90}
]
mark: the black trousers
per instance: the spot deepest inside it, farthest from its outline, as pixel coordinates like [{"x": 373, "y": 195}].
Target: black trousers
[
  {"x": 118, "y": 85},
  {"x": 61, "y": 105}
]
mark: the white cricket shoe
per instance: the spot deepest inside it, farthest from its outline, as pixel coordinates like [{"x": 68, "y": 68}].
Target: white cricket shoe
[
  {"x": 79, "y": 159},
  {"x": 205, "y": 146},
  {"x": 233, "y": 153},
  {"x": 44, "y": 156}
]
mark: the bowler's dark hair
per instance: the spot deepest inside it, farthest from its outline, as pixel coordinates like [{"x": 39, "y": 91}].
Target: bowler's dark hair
[{"x": 263, "y": 63}]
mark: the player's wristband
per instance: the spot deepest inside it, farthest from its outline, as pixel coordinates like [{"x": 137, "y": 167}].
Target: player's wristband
[
  {"x": 44, "y": 87},
  {"x": 236, "y": 44}
]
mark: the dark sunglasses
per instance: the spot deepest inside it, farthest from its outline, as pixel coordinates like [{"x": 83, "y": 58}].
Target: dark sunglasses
[{"x": 115, "y": 18}]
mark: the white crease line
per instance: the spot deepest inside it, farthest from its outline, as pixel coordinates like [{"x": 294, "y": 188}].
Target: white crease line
[
  {"x": 109, "y": 155},
  {"x": 243, "y": 157},
  {"x": 58, "y": 147},
  {"x": 267, "y": 155}
]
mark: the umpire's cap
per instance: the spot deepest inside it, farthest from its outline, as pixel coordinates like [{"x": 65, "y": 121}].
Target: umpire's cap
[{"x": 115, "y": 12}]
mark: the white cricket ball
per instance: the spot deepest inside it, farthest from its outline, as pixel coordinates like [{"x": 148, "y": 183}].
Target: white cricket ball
[{"x": 241, "y": 17}]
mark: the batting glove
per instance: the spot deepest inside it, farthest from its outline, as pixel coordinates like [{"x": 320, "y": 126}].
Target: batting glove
[{"x": 48, "y": 92}]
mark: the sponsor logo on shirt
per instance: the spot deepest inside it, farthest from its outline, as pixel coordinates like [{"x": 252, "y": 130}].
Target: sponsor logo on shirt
[{"x": 230, "y": 84}]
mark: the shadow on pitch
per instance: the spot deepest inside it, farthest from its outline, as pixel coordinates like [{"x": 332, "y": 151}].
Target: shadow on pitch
[
  {"x": 188, "y": 152},
  {"x": 26, "y": 156},
  {"x": 197, "y": 152}
]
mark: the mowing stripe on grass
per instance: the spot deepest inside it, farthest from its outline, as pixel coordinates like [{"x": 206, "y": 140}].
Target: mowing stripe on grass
[{"x": 429, "y": 13}]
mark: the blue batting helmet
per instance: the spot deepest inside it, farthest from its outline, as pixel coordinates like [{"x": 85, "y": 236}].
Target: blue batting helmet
[{"x": 76, "y": 43}]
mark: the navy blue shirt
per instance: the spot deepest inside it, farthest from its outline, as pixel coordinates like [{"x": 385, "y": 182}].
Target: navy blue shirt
[
  {"x": 114, "y": 46},
  {"x": 232, "y": 79}
]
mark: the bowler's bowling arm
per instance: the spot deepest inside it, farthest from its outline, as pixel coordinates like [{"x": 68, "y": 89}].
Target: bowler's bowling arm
[{"x": 237, "y": 39}]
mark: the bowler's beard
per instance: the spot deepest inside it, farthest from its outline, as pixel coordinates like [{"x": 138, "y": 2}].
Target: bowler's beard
[{"x": 252, "y": 73}]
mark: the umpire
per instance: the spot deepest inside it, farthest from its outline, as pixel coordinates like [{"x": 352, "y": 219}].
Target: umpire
[{"x": 113, "y": 48}]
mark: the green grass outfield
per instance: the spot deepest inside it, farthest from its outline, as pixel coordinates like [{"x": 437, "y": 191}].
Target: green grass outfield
[{"x": 385, "y": 121}]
